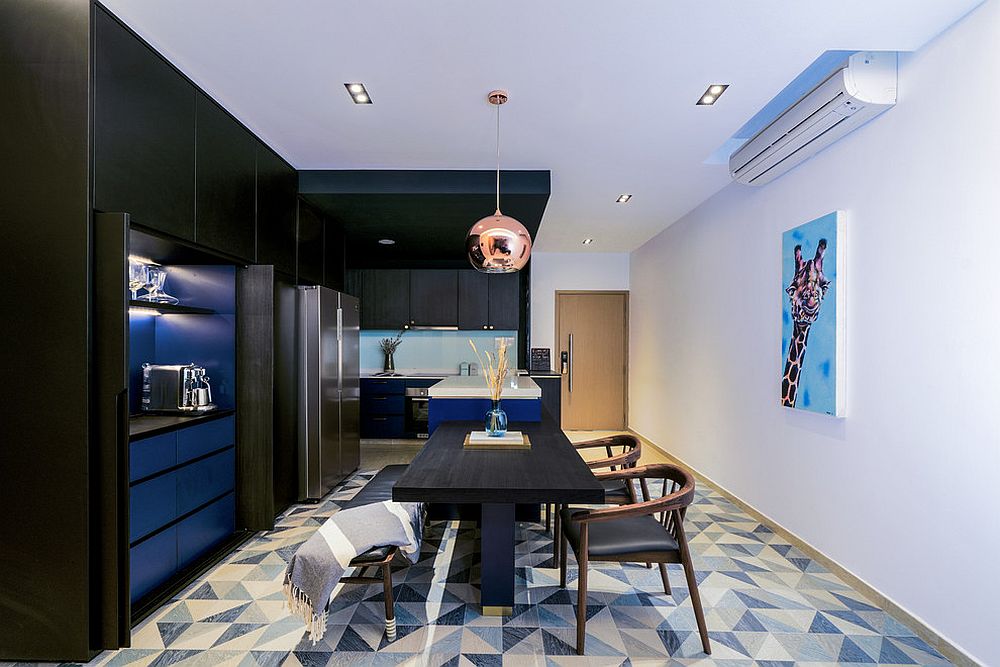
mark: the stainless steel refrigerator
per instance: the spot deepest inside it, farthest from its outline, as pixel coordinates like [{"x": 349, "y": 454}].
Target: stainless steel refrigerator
[{"x": 329, "y": 389}]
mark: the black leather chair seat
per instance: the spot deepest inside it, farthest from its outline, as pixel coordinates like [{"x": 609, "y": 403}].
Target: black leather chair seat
[
  {"x": 373, "y": 555},
  {"x": 379, "y": 488},
  {"x": 615, "y": 491},
  {"x": 620, "y": 537}
]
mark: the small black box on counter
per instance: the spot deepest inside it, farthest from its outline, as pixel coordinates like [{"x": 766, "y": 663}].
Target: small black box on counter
[{"x": 541, "y": 360}]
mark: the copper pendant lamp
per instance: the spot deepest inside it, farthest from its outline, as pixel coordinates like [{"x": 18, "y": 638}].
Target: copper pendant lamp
[{"x": 498, "y": 243}]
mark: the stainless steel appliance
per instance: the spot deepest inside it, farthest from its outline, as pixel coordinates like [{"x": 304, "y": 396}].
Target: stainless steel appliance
[
  {"x": 329, "y": 392},
  {"x": 417, "y": 408},
  {"x": 176, "y": 388}
]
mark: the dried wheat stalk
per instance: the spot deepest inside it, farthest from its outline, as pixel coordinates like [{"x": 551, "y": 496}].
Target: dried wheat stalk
[{"x": 495, "y": 369}]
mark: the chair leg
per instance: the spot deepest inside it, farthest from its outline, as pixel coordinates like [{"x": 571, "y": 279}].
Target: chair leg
[
  {"x": 390, "y": 613},
  {"x": 581, "y": 586},
  {"x": 557, "y": 540},
  {"x": 663, "y": 575},
  {"x": 692, "y": 583},
  {"x": 562, "y": 559},
  {"x": 548, "y": 517}
]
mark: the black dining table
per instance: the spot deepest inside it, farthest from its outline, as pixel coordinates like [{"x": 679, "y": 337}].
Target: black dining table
[{"x": 551, "y": 471}]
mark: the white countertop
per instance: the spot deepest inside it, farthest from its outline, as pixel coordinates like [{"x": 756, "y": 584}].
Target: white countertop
[{"x": 474, "y": 386}]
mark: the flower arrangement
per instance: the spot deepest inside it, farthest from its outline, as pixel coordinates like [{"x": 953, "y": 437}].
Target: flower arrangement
[
  {"x": 495, "y": 369},
  {"x": 389, "y": 345}
]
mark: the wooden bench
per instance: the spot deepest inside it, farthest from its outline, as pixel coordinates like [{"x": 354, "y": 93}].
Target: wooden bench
[{"x": 377, "y": 490}]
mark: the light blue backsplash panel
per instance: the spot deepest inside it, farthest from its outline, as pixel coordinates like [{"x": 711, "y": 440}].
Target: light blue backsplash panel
[
  {"x": 812, "y": 336},
  {"x": 432, "y": 351}
]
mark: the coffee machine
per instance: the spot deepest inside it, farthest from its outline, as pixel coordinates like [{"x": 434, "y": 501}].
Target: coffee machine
[{"x": 176, "y": 389}]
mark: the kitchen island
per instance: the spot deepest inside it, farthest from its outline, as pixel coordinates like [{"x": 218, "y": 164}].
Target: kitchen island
[{"x": 467, "y": 397}]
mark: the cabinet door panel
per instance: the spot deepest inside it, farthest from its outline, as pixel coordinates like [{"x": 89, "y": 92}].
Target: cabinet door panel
[
  {"x": 277, "y": 188},
  {"x": 385, "y": 303},
  {"x": 225, "y": 182},
  {"x": 144, "y": 125},
  {"x": 310, "y": 245},
  {"x": 434, "y": 297},
  {"x": 504, "y": 301},
  {"x": 473, "y": 300}
]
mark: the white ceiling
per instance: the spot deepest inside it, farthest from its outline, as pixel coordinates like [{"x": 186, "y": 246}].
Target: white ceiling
[{"x": 602, "y": 93}]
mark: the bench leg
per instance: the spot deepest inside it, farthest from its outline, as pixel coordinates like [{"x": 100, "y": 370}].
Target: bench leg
[{"x": 390, "y": 613}]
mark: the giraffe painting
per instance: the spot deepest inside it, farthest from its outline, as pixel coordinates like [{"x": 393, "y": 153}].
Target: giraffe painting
[{"x": 812, "y": 317}]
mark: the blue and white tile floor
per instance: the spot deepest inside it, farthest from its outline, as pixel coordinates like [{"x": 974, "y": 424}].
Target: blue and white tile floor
[{"x": 766, "y": 603}]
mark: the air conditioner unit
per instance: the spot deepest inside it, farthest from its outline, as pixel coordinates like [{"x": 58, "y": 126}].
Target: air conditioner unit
[{"x": 847, "y": 99}]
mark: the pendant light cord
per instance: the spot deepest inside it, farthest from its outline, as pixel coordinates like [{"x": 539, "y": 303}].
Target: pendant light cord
[{"x": 498, "y": 159}]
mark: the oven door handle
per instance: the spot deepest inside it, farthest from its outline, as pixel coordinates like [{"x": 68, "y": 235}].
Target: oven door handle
[{"x": 418, "y": 399}]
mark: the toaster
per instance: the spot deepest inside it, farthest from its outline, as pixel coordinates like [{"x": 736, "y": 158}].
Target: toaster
[{"x": 178, "y": 388}]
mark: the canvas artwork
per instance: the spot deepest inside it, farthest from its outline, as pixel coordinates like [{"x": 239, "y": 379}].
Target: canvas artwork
[{"x": 812, "y": 336}]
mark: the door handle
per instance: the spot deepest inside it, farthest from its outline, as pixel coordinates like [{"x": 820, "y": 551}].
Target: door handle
[{"x": 570, "y": 378}]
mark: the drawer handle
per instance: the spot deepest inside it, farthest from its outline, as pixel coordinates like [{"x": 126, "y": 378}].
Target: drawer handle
[
  {"x": 379, "y": 398},
  {"x": 380, "y": 419}
]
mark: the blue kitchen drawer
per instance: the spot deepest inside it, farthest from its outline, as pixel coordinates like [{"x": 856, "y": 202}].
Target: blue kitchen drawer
[
  {"x": 195, "y": 441},
  {"x": 209, "y": 478},
  {"x": 152, "y": 504},
  {"x": 382, "y": 405},
  {"x": 152, "y": 562},
  {"x": 382, "y": 386},
  {"x": 205, "y": 529},
  {"x": 382, "y": 426},
  {"x": 151, "y": 455}
]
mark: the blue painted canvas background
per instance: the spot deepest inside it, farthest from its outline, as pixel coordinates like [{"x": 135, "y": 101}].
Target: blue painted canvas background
[{"x": 818, "y": 384}]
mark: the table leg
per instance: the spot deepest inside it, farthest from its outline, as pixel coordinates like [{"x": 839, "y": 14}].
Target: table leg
[{"x": 497, "y": 559}]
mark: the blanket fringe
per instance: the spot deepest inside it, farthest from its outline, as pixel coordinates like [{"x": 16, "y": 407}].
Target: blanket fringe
[{"x": 300, "y": 605}]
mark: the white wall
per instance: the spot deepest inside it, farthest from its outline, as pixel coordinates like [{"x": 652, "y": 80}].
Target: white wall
[
  {"x": 551, "y": 271},
  {"x": 904, "y": 492}
]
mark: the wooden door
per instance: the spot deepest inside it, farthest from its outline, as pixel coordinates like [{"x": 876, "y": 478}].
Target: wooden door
[{"x": 592, "y": 330}]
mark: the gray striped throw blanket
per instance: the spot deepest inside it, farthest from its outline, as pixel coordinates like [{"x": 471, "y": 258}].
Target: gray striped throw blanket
[{"x": 317, "y": 566}]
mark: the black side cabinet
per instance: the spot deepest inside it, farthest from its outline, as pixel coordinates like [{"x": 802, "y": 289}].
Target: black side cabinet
[
  {"x": 225, "y": 182},
  {"x": 433, "y": 297},
  {"x": 310, "y": 245},
  {"x": 277, "y": 188},
  {"x": 473, "y": 300},
  {"x": 144, "y": 125}
]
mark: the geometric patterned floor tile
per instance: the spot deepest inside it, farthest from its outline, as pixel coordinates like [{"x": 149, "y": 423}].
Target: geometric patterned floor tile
[{"x": 766, "y": 603}]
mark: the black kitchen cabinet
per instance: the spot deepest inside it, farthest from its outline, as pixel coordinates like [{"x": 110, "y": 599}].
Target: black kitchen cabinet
[
  {"x": 352, "y": 286},
  {"x": 333, "y": 256},
  {"x": 504, "y": 289},
  {"x": 277, "y": 188},
  {"x": 310, "y": 245},
  {"x": 144, "y": 133},
  {"x": 385, "y": 299},
  {"x": 434, "y": 297},
  {"x": 225, "y": 176},
  {"x": 473, "y": 300}
]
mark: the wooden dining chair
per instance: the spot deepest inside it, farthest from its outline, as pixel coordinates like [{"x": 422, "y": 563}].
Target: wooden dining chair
[
  {"x": 648, "y": 531},
  {"x": 623, "y": 451}
]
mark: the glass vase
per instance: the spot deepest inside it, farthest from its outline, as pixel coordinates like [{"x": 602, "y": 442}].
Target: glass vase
[
  {"x": 389, "y": 365},
  {"x": 496, "y": 421}
]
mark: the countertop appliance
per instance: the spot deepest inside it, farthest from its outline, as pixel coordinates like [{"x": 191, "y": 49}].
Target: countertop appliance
[
  {"x": 176, "y": 388},
  {"x": 329, "y": 389}
]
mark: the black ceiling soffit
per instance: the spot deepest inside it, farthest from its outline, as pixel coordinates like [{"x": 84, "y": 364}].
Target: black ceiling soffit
[{"x": 426, "y": 212}]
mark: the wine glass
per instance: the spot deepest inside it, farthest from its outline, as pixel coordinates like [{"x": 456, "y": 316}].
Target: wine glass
[
  {"x": 157, "y": 278},
  {"x": 137, "y": 277}
]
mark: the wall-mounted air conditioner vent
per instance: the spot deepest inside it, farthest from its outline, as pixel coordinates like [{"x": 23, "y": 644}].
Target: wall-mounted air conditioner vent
[{"x": 847, "y": 99}]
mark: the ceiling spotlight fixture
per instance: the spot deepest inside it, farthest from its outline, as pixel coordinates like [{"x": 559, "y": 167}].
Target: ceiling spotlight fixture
[
  {"x": 623, "y": 199},
  {"x": 387, "y": 242},
  {"x": 712, "y": 94},
  {"x": 498, "y": 243},
  {"x": 588, "y": 241},
  {"x": 358, "y": 93}
]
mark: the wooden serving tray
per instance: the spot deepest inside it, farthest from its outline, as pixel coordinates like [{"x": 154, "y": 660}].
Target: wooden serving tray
[{"x": 499, "y": 445}]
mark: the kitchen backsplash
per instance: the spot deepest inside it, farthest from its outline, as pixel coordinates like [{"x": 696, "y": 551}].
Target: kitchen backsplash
[{"x": 432, "y": 351}]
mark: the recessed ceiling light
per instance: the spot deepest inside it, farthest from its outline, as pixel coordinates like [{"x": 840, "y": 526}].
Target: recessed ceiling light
[
  {"x": 712, "y": 94},
  {"x": 588, "y": 241},
  {"x": 358, "y": 93},
  {"x": 623, "y": 199},
  {"x": 387, "y": 241}
]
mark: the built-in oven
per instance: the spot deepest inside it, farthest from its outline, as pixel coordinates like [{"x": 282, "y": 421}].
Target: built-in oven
[{"x": 416, "y": 409}]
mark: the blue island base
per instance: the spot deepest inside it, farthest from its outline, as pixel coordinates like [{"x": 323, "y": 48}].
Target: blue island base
[{"x": 475, "y": 409}]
